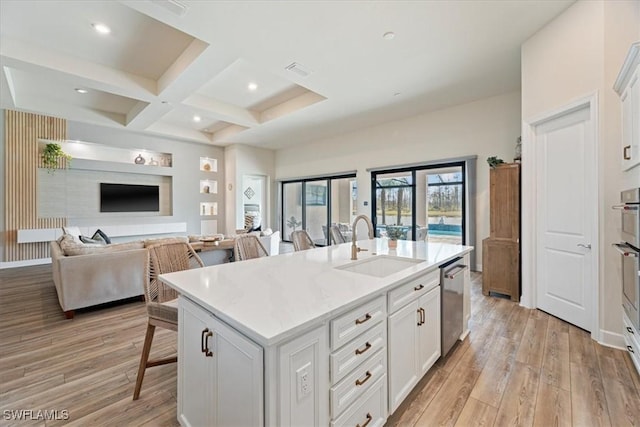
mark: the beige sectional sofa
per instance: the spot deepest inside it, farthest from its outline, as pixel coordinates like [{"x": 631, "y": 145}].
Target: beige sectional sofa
[{"x": 98, "y": 275}]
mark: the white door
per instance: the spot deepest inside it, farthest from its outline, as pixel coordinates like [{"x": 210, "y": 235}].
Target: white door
[{"x": 566, "y": 209}]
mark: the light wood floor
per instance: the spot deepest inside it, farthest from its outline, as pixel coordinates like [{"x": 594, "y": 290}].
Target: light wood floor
[{"x": 517, "y": 367}]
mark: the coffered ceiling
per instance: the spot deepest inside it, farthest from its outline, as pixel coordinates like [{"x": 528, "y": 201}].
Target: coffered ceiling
[{"x": 183, "y": 68}]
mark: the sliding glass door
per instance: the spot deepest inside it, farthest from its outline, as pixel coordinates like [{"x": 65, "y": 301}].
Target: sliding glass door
[
  {"x": 420, "y": 202},
  {"x": 394, "y": 204},
  {"x": 316, "y": 204}
]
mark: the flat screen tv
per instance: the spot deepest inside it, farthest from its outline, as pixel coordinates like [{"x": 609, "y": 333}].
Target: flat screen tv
[{"x": 129, "y": 198}]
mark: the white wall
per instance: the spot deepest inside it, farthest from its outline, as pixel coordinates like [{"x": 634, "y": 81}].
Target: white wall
[
  {"x": 488, "y": 127},
  {"x": 578, "y": 54},
  {"x": 243, "y": 160},
  {"x": 185, "y": 174}
]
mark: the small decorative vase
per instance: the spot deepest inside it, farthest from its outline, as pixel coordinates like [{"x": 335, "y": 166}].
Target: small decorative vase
[
  {"x": 153, "y": 162},
  {"x": 139, "y": 160},
  {"x": 393, "y": 243}
]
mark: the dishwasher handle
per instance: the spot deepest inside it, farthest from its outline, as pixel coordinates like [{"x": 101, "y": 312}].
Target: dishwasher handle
[{"x": 452, "y": 273}]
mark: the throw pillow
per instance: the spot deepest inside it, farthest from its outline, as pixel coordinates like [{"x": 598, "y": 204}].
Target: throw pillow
[
  {"x": 85, "y": 239},
  {"x": 101, "y": 236},
  {"x": 74, "y": 232}
]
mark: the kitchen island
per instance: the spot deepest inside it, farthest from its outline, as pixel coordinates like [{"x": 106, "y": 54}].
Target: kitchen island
[{"x": 309, "y": 338}]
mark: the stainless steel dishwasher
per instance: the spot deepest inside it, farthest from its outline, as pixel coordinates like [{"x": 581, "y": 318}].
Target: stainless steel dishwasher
[{"x": 452, "y": 299}]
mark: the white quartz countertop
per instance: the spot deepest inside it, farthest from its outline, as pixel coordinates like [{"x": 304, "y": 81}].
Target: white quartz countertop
[{"x": 274, "y": 298}]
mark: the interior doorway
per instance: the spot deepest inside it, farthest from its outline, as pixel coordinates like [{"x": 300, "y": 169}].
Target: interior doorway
[{"x": 560, "y": 271}]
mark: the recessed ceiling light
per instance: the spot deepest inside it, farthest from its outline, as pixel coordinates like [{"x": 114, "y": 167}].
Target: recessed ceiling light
[
  {"x": 101, "y": 28},
  {"x": 389, "y": 35},
  {"x": 196, "y": 119},
  {"x": 80, "y": 90},
  {"x": 252, "y": 86}
]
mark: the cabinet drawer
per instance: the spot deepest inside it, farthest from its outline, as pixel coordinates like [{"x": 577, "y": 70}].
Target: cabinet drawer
[
  {"x": 358, "y": 320},
  {"x": 632, "y": 342},
  {"x": 630, "y": 331},
  {"x": 404, "y": 294},
  {"x": 357, "y": 382},
  {"x": 357, "y": 351},
  {"x": 369, "y": 410}
]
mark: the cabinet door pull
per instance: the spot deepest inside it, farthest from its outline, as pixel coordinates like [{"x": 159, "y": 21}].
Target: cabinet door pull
[
  {"x": 629, "y": 330},
  {"x": 626, "y": 152},
  {"x": 360, "y": 321},
  {"x": 203, "y": 348},
  {"x": 366, "y": 378},
  {"x": 419, "y": 317},
  {"x": 207, "y": 353},
  {"x": 367, "y": 346},
  {"x": 369, "y": 418},
  {"x": 419, "y": 287},
  {"x": 628, "y": 348}
]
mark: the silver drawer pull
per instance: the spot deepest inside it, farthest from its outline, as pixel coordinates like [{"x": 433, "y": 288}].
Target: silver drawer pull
[
  {"x": 369, "y": 418},
  {"x": 629, "y": 330},
  {"x": 587, "y": 246},
  {"x": 419, "y": 287},
  {"x": 628, "y": 348},
  {"x": 361, "y": 321},
  {"x": 366, "y": 378},
  {"x": 367, "y": 346}
]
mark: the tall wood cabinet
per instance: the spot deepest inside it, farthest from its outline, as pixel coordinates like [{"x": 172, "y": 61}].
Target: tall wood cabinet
[{"x": 501, "y": 250}]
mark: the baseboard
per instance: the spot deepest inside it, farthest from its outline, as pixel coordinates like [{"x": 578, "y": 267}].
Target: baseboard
[
  {"x": 612, "y": 339},
  {"x": 25, "y": 263}
]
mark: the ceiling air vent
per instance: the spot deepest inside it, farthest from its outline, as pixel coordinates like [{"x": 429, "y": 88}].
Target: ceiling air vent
[
  {"x": 298, "y": 69},
  {"x": 173, "y": 6}
]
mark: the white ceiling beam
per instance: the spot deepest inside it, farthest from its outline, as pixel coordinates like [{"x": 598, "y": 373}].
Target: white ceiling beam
[
  {"x": 22, "y": 55},
  {"x": 222, "y": 111}
]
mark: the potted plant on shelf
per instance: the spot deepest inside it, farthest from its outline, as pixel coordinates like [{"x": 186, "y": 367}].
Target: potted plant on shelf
[{"x": 51, "y": 153}]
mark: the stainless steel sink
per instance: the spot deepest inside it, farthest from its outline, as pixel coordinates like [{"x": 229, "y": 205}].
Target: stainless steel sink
[{"x": 380, "y": 266}]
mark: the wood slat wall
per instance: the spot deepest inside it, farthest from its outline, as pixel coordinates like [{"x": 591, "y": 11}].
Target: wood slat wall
[{"x": 22, "y": 131}]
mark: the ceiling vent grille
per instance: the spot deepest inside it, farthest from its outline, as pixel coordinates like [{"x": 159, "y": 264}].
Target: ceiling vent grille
[
  {"x": 298, "y": 69},
  {"x": 174, "y": 6}
]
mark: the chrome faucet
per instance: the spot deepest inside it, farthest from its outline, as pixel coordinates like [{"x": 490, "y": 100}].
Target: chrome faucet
[{"x": 354, "y": 248}]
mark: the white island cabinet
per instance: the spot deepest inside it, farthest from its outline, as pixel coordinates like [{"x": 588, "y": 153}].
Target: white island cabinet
[
  {"x": 298, "y": 339},
  {"x": 220, "y": 372},
  {"x": 414, "y": 334}
]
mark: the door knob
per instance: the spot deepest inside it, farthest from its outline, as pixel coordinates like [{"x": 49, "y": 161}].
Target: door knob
[{"x": 587, "y": 246}]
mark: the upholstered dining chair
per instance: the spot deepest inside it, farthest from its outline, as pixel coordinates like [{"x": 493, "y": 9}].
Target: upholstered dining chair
[
  {"x": 248, "y": 246},
  {"x": 301, "y": 240},
  {"x": 336, "y": 235},
  {"x": 162, "y": 303}
]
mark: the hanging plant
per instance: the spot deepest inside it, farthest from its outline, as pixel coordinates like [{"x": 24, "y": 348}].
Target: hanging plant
[{"x": 50, "y": 155}]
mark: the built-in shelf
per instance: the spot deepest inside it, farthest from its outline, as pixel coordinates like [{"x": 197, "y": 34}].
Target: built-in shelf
[
  {"x": 81, "y": 150},
  {"x": 208, "y": 208},
  {"x": 208, "y": 186},
  {"x": 208, "y": 164}
]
